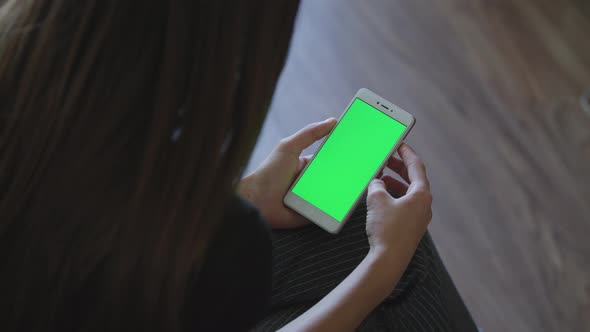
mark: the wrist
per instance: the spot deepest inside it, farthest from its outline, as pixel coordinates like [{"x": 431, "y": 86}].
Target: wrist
[
  {"x": 392, "y": 260},
  {"x": 380, "y": 257},
  {"x": 385, "y": 266},
  {"x": 384, "y": 252},
  {"x": 396, "y": 250}
]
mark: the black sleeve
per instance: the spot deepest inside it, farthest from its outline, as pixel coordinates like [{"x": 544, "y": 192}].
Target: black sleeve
[{"x": 232, "y": 291}]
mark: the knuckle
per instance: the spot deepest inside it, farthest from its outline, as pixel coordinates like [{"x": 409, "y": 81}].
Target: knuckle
[
  {"x": 309, "y": 126},
  {"x": 377, "y": 194},
  {"x": 285, "y": 142},
  {"x": 428, "y": 217},
  {"x": 428, "y": 197},
  {"x": 419, "y": 163},
  {"x": 423, "y": 197},
  {"x": 307, "y": 130}
]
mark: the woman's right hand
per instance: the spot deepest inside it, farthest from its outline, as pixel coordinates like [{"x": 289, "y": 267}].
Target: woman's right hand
[{"x": 396, "y": 225}]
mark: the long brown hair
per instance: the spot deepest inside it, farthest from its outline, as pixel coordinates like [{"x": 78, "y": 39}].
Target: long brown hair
[{"x": 124, "y": 126}]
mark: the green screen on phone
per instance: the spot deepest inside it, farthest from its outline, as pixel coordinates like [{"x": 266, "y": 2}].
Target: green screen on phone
[{"x": 349, "y": 158}]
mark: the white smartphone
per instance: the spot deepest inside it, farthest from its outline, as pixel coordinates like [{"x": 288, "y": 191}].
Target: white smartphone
[{"x": 356, "y": 150}]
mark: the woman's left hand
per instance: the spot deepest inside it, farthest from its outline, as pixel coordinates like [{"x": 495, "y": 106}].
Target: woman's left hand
[{"x": 268, "y": 184}]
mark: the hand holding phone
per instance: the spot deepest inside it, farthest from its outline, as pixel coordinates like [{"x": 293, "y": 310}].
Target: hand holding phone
[
  {"x": 368, "y": 133},
  {"x": 267, "y": 185}
]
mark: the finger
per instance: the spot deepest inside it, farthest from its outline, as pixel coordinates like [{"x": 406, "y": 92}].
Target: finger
[
  {"x": 397, "y": 165},
  {"x": 307, "y": 158},
  {"x": 395, "y": 185},
  {"x": 306, "y": 136},
  {"x": 416, "y": 169},
  {"x": 303, "y": 161},
  {"x": 377, "y": 191}
]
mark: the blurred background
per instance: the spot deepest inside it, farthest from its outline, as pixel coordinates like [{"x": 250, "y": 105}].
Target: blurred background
[{"x": 496, "y": 89}]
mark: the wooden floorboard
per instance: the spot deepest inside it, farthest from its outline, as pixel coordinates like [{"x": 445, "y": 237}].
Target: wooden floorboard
[{"x": 494, "y": 86}]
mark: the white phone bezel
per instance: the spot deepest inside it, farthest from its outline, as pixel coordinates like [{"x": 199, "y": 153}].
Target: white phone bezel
[{"x": 318, "y": 216}]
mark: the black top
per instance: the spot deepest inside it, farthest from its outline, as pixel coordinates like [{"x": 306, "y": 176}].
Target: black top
[{"x": 233, "y": 291}]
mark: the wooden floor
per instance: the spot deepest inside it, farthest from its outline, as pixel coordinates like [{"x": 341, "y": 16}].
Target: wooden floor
[{"x": 495, "y": 88}]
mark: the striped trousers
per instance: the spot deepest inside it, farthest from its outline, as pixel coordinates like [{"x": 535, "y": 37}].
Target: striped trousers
[{"x": 309, "y": 262}]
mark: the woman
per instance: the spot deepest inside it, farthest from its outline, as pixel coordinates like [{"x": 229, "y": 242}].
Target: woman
[{"x": 125, "y": 127}]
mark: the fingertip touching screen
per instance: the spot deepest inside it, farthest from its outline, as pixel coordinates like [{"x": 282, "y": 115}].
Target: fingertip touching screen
[{"x": 345, "y": 164}]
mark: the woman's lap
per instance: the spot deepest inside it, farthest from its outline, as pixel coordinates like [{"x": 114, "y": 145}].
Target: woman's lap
[{"x": 309, "y": 262}]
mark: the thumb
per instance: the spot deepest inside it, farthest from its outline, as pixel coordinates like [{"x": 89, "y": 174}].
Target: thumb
[{"x": 306, "y": 136}]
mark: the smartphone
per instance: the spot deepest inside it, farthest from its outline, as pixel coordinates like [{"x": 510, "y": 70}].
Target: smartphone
[{"x": 356, "y": 150}]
